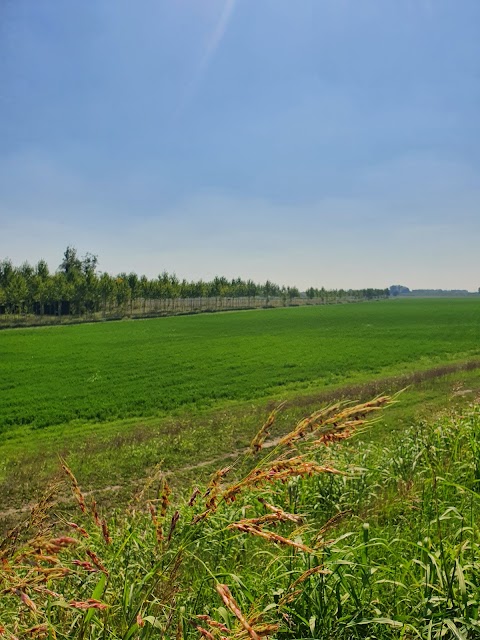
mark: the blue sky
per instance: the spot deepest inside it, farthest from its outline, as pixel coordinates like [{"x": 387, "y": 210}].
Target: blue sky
[{"x": 318, "y": 142}]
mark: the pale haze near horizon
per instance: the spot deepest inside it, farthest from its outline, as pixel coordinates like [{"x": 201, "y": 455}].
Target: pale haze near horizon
[{"x": 323, "y": 143}]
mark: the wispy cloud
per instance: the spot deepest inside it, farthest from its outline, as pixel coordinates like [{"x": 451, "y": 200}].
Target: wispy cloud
[{"x": 213, "y": 44}]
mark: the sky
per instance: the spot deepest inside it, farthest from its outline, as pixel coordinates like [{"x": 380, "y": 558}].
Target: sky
[{"x": 329, "y": 143}]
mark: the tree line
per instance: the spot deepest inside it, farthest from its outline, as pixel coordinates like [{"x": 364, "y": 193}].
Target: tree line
[{"x": 78, "y": 288}]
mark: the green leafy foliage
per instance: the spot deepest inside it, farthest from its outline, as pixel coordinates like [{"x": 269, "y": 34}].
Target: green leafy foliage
[{"x": 30, "y": 295}]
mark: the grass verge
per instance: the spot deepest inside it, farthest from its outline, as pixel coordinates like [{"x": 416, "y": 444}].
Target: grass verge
[
  {"x": 319, "y": 537},
  {"x": 114, "y": 459}
]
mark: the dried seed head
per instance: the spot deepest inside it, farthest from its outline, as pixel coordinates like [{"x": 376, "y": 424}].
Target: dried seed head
[
  {"x": 105, "y": 532},
  {"x": 165, "y": 499},
  {"x": 204, "y": 633},
  {"x": 96, "y": 517},
  {"x": 213, "y": 623},
  {"x": 193, "y": 497},
  {"x": 26, "y": 600},
  {"x": 75, "y": 488},
  {"x": 96, "y": 561},
  {"x": 269, "y": 535},
  {"x": 153, "y": 513},
  {"x": 83, "y": 564},
  {"x": 173, "y": 524},
  {"x": 38, "y": 631},
  {"x": 80, "y": 530},
  {"x": 264, "y": 432},
  {"x": 230, "y": 602},
  {"x": 87, "y": 604}
]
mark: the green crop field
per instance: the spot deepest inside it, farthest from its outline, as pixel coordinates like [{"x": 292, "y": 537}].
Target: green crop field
[
  {"x": 108, "y": 371},
  {"x": 116, "y": 399},
  {"x": 376, "y": 537}
]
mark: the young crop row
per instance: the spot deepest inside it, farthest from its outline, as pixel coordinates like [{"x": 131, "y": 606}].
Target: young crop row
[{"x": 313, "y": 539}]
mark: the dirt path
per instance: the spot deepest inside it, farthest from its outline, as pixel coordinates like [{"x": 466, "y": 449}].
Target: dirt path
[{"x": 27, "y": 508}]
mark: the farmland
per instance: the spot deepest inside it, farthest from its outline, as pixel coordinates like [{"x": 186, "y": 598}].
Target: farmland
[
  {"x": 102, "y": 372},
  {"x": 387, "y": 545},
  {"x": 116, "y": 399}
]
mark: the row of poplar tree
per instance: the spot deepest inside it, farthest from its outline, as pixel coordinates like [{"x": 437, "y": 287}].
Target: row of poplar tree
[{"x": 78, "y": 288}]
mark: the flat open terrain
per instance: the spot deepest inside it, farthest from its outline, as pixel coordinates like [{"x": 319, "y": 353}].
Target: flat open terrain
[
  {"x": 117, "y": 399},
  {"x": 101, "y": 372}
]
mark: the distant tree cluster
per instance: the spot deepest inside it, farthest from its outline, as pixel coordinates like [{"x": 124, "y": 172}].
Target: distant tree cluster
[
  {"x": 78, "y": 288},
  {"x": 398, "y": 290},
  {"x": 347, "y": 294}
]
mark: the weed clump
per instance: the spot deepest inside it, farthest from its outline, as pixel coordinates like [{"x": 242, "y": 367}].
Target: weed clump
[{"x": 289, "y": 542}]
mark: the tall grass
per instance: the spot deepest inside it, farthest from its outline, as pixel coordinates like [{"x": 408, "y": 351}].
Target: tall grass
[{"x": 322, "y": 536}]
